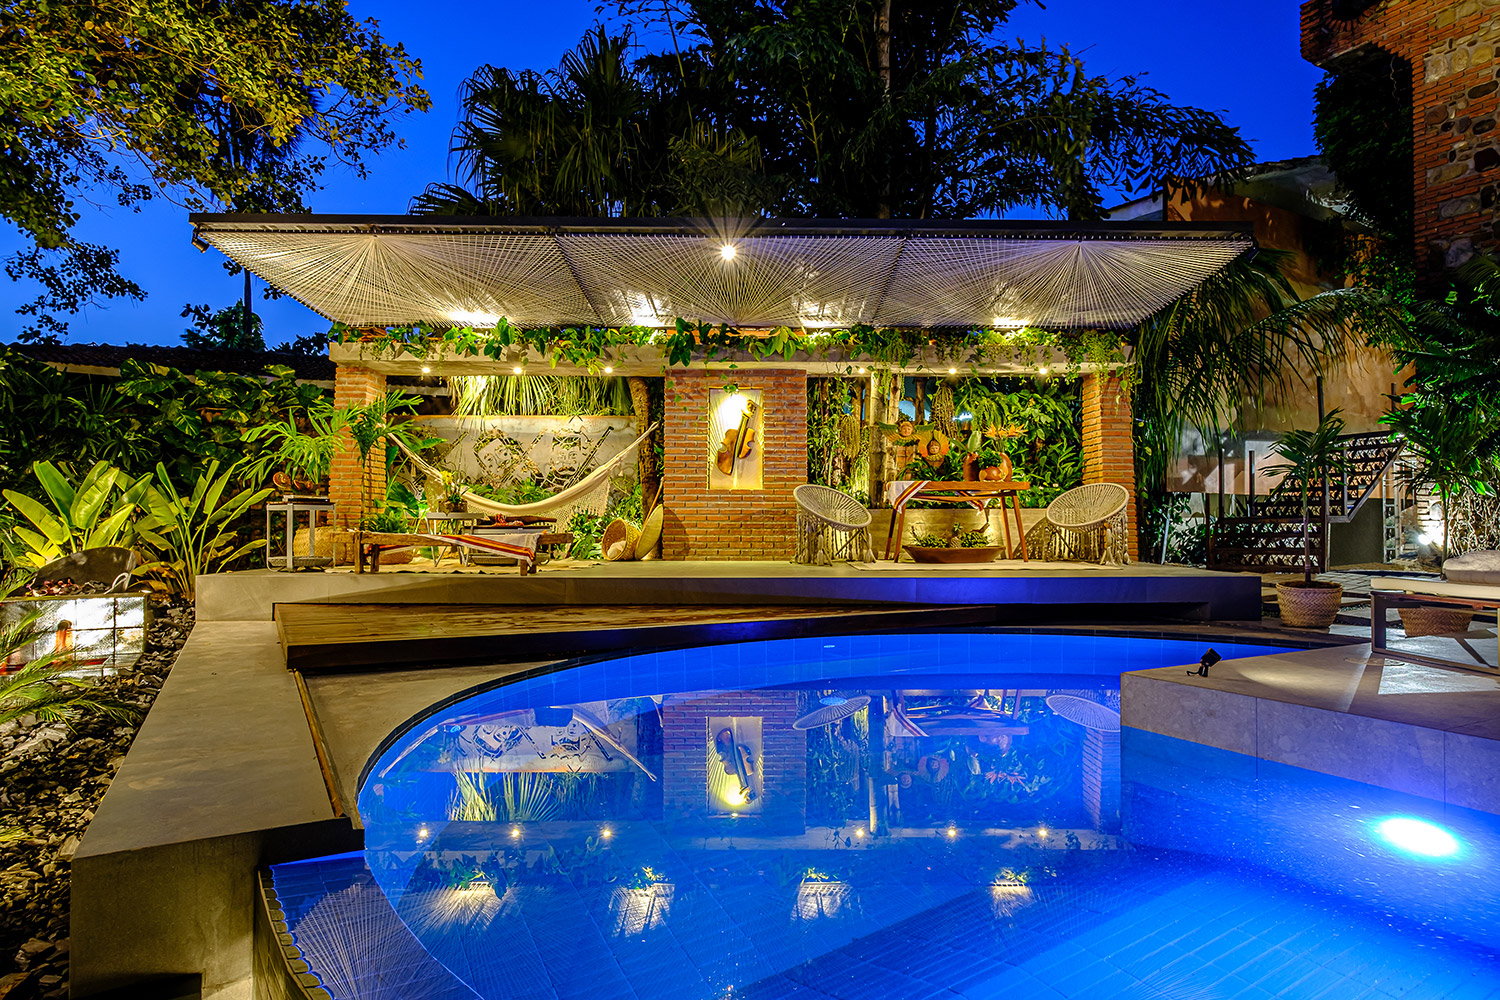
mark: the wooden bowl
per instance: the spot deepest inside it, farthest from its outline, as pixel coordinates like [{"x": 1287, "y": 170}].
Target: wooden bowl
[{"x": 926, "y": 554}]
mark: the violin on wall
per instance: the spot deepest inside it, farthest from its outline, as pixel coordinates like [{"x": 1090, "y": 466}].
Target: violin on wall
[{"x": 737, "y": 441}]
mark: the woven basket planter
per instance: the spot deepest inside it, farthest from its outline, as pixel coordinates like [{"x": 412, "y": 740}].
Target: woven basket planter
[
  {"x": 619, "y": 530},
  {"x": 1309, "y": 607},
  {"x": 1434, "y": 621}
]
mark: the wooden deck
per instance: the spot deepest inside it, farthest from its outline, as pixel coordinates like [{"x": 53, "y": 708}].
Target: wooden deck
[{"x": 333, "y": 638}]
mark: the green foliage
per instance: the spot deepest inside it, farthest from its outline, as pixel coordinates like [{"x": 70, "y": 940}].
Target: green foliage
[
  {"x": 42, "y": 688},
  {"x": 223, "y": 329},
  {"x": 193, "y": 533},
  {"x": 201, "y": 102},
  {"x": 810, "y": 109},
  {"x": 303, "y": 446},
  {"x": 99, "y": 511},
  {"x": 530, "y": 395},
  {"x": 516, "y": 797},
  {"x": 1362, "y": 125}
]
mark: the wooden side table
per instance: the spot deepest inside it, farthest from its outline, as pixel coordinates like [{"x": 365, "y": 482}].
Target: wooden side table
[{"x": 963, "y": 493}]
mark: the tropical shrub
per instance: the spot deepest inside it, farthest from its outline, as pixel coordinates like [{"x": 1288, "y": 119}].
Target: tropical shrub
[
  {"x": 303, "y": 447},
  {"x": 98, "y": 511},
  {"x": 194, "y": 533},
  {"x": 42, "y": 688}
]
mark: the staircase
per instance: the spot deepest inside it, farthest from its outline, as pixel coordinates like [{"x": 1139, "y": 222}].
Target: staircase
[{"x": 1267, "y": 537}]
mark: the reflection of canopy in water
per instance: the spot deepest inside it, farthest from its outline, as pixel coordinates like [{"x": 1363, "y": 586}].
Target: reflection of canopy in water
[
  {"x": 1085, "y": 713},
  {"x": 834, "y": 709}
]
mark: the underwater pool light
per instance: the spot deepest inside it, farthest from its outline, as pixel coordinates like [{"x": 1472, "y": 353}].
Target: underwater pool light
[{"x": 1417, "y": 836}]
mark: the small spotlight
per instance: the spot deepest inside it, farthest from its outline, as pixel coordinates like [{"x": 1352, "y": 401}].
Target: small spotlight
[
  {"x": 426, "y": 370},
  {"x": 952, "y": 371},
  {"x": 952, "y": 832},
  {"x": 862, "y": 371},
  {"x": 1042, "y": 370},
  {"x": 606, "y": 833},
  {"x": 860, "y": 833},
  {"x": 515, "y": 832},
  {"x": 1209, "y": 659},
  {"x": 422, "y": 833},
  {"x": 516, "y": 370},
  {"x": 608, "y": 369},
  {"x": 727, "y": 251},
  {"x": 1424, "y": 539}
]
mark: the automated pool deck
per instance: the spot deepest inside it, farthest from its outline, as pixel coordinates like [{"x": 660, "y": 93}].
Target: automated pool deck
[{"x": 242, "y": 762}]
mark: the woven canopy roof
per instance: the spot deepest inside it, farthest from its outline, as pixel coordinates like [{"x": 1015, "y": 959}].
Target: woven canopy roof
[{"x": 375, "y": 271}]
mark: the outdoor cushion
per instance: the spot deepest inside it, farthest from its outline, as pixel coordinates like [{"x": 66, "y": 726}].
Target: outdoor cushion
[{"x": 1480, "y": 566}]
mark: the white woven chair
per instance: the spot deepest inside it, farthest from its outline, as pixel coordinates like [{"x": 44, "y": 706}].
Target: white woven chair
[
  {"x": 1085, "y": 524},
  {"x": 831, "y": 526}
]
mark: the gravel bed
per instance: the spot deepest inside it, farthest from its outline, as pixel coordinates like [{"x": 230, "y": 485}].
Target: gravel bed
[{"x": 51, "y": 781}]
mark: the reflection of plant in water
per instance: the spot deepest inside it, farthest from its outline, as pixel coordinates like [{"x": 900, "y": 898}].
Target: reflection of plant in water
[
  {"x": 518, "y": 797},
  {"x": 834, "y": 754}
]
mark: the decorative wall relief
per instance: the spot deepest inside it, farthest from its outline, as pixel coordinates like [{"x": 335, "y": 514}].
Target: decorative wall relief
[
  {"x": 735, "y": 439},
  {"x": 735, "y": 783}
]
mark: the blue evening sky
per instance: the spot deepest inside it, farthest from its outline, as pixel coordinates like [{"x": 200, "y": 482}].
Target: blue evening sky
[{"x": 1240, "y": 59}]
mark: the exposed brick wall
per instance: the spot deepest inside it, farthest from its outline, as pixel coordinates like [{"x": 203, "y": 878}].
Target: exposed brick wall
[
  {"x": 783, "y": 763},
  {"x": 1454, "y": 50},
  {"x": 700, "y": 523},
  {"x": 354, "y": 493},
  {"x": 1108, "y": 450}
]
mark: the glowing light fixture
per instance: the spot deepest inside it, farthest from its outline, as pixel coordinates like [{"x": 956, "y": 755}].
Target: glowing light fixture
[
  {"x": 862, "y": 371},
  {"x": 728, "y": 251},
  {"x": 422, "y": 833},
  {"x": 1041, "y": 831},
  {"x": 606, "y": 833},
  {"x": 1042, "y": 370},
  {"x": 1424, "y": 539},
  {"x": 515, "y": 832},
  {"x": 516, "y": 370},
  {"x": 952, "y": 832},
  {"x": 426, "y": 369},
  {"x": 608, "y": 369},
  {"x": 952, "y": 371},
  {"x": 860, "y": 833},
  {"x": 1417, "y": 836}
]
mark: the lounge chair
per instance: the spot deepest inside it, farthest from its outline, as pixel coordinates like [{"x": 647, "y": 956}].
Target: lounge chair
[
  {"x": 521, "y": 545},
  {"x": 1397, "y": 592}
]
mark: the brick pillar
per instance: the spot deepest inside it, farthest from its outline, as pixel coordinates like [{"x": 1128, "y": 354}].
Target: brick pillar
[
  {"x": 1108, "y": 450},
  {"x": 700, "y": 523},
  {"x": 354, "y": 490}
]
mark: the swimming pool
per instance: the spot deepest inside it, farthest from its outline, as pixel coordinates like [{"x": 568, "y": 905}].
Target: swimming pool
[{"x": 880, "y": 816}]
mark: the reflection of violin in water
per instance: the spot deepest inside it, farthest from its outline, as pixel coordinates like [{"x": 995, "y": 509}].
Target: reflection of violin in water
[
  {"x": 736, "y": 760},
  {"x": 737, "y": 441}
]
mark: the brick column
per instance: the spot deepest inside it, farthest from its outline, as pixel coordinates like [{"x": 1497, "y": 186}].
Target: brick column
[
  {"x": 783, "y": 767},
  {"x": 700, "y": 523},
  {"x": 347, "y": 482},
  {"x": 1108, "y": 450}
]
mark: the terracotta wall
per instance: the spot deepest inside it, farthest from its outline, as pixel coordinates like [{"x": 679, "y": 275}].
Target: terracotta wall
[
  {"x": 1454, "y": 49},
  {"x": 1108, "y": 449},
  {"x": 700, "y": 523},
  {"x": 783, "y": 760},
  {"x": 347, "y": 488}
]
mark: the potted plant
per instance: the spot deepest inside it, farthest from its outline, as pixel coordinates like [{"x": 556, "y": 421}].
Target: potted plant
[
  {"x": 454, "y": 487},
  {"x": 962, "y": 546},
  {"x": 1310, "y": 456}
]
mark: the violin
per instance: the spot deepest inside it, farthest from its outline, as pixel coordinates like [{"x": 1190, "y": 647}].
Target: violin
[
  {"x": 737, "y": 442},
  {"x": 735, "y": 757}
]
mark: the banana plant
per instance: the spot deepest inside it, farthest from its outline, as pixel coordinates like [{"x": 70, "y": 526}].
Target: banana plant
[
  {"x": 97, "y": 512},
  {"x": 195, "y": 533},
  {"x": 42, "y": 688}
]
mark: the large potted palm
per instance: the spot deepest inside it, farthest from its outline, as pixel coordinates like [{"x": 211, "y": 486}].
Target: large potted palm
[{"x": 1311, "y": 456}]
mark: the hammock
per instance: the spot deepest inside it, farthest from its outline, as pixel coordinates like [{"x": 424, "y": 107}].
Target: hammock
[{"x": 586, "y": 494}]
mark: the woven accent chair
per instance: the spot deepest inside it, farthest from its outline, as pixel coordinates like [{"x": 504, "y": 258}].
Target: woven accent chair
[
  {"x": 1085, "y": 524},
  {"x": 831, "y": 526}
]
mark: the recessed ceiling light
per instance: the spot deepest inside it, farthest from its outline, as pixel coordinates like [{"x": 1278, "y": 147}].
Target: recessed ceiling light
[
  {"x": 516, "y": 370},
  {"x": 608, "y": 369},
  {"x": 426, "y": 370},
  {"x": 952, "y": 371}
]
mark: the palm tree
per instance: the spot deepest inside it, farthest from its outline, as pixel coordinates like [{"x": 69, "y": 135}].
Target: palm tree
[{"x": 1311, "y": 456}]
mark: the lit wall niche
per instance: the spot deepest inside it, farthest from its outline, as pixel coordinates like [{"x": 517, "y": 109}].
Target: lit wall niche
[
  {"x": 735, "y": 785},
  {"x": 734, "y": 439}
]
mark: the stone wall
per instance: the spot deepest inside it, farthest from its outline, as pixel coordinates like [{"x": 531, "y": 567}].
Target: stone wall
[
  {"x": 1108, "y": 448},
  {"x": 700, "y": 523},
  {"x": 1452, "y": 48}
]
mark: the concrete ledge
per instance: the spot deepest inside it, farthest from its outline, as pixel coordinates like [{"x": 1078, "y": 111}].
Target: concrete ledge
[{"x": 1415, "y": 729}]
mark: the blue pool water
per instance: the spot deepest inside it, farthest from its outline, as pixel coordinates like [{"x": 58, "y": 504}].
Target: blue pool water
[{"x": 730, "y": 822}]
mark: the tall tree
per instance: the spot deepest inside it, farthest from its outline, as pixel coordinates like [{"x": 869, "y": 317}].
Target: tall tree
[
  {"x": 198, "y": 101},
  {"x": 825, "y": 107}
]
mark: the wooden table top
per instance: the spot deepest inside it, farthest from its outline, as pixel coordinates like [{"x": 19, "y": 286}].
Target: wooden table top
[{"x": 1003, "y": 485}]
